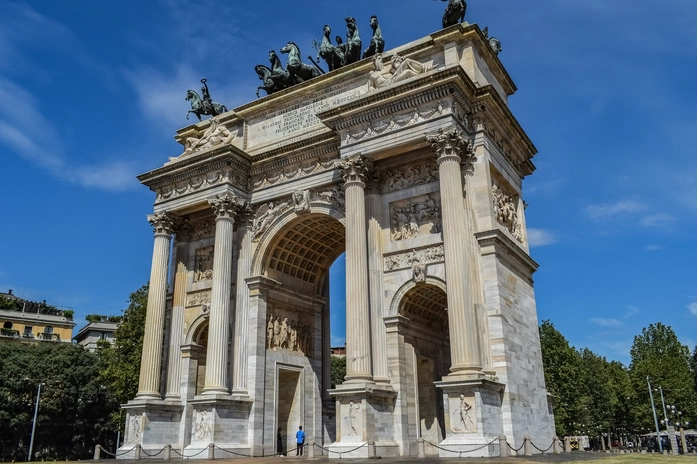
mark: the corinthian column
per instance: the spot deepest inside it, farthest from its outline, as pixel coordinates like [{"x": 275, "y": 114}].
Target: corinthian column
[
  {"x": 150, "y": 364},
  {"x": 358, "y": 354},
  {"x": 225, "y": 208},
  {"x": 451, "y": 150},
  {"x": 244, "y": 267}
]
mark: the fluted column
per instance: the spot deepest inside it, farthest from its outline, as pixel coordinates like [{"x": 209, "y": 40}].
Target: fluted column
[
  {"x": 358, "y": 353},
  {"x": 378, "y": 335},
  {"x": 183, "y": 235},
  {"x": 244, "y": 264},
  {"x": 225, "y": 207},
  {"x": 151, "y": 360},
  {"x": 451, "y": 150}
]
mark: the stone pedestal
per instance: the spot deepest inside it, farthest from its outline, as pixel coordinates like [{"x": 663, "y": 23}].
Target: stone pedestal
[
  {"x": 152, "y": 424},
  {"x": 473, "y": 421},
  {"x": 219, "y": 419}
]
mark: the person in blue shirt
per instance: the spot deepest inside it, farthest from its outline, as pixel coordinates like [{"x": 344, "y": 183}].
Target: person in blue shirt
[{"x": 300, "y": 440}]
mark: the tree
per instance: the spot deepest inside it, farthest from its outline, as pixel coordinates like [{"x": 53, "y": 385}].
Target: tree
[
  {"x": 74, "y": 407},
  {"x": 562, "y": 368},
  {"x": 122, "y": 360},
  {"x": 693, "y": 366},
  {"x": 657, "y": 353},
  {"x": 338, "y": 370}
]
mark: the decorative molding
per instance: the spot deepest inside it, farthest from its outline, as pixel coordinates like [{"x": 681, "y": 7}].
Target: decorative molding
[
  {"x": 297, "y": 171},
  {"x": 226, "y": 205},
  {"x": 285, "y": 330},
  {"x": 506, "y": 210},
  {"x": 414, "y": 216},
  {"x": 452, "y": 145},
  {"x": 355, "y": 170},
  {"x": 406, "y": 259},
  {"x": 199, "y": 182},
  {"x": 203, "y": 264},
  {"x": 200, "y": 297},
  {"x": 393, "y": 122}
]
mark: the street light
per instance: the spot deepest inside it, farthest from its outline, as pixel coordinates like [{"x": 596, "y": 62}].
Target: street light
[
  {"x": 655, "y": 419},
  {"x": 33, "y": 427}
]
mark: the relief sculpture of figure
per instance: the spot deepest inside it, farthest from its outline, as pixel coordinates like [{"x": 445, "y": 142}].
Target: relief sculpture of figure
[
  {"x": 463, "y": 422},
  {"x": 377, "y": 43},
  {"x": 401, "y": 69},
  {"x": 301, "y": 201},
  {"x": 265, "y": 216},
  {"x": 352, "y": 418},
  {"x": 269, "y": 333}
]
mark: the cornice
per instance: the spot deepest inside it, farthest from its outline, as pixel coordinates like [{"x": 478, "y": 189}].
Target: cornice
[{"x": 507, "y": 247}]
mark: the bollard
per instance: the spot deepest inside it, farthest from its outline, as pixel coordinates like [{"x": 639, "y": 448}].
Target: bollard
[
  {"x": 310, "y": 447},
  {"x": 567, "y": 444},
  {"x": 211, "y": 451},
  {"x": 503, "y": 446},
  {"x": 168, "y": 452},
  {"x": 97, "y": 452},
  {"x": 420, "y": 451},
  {"x": 527, "y": 446},
  {"x": 136, "y": 454},
  {"x": 556, "y": 448},
  {"x": 371, "y": 450}
]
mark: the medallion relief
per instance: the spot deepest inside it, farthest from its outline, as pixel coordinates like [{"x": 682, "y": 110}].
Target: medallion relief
[
  {"x": 286, "y": 330},
  {"x": 506, "y": 210},
  {"x": 203, "y": 264},
  {"x": 409, "y": 258},
  {"x": 415, "y": 216}
]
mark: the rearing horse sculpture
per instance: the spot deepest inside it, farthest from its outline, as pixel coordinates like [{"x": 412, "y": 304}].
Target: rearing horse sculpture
[
  {"x": 334, "y": 56},
  {"x": 377, "y": 43},
  {"x": 198, "y": 108},
  {"x": 454, "y": 12},
  {"x": 299, "y": 71},
  {"x": 352, "y": 48}
]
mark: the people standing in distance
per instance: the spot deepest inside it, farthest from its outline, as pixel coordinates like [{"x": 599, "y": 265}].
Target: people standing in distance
[{"x": 300, "y": 440}]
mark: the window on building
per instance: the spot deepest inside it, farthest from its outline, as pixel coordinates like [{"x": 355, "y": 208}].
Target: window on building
[
  {"x": 48, "y": 330},
  {"x": 102, "y": 336},
  {"x": 7, "y": 325},
  {"x": 28, "y": 331}
]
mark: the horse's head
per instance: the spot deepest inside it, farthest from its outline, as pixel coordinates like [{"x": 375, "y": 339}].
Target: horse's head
[
  {"x": 191, "y": 94},
  {"x": 289, "y": 47},
  {"x": 272, "y": 56},
  {"x": 262, "y": 71},
  {"x": 327, "y": 30},
  {"x": 374, "y": 22}
]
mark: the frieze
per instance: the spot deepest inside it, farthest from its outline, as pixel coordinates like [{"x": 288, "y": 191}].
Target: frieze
[
  {"x": 198, "y": 298},
  {"x": 391, "y": 180},
  {"x": 506, "y": 210},
  {"x": 202, "y": 229},
  {"x": 415, "y": 216},
  {"x": 199, "y": 182},
  {"x": 290, "y": 173},
  {"x": 407, "y": 259},
  {"x": 394, "y": 122},
  {"x": 203, "y": 264},
  {"x": 286, "y": 330}
]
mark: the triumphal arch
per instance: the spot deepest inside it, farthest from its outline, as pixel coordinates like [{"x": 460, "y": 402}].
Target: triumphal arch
[{"x": 411, "y": 163}]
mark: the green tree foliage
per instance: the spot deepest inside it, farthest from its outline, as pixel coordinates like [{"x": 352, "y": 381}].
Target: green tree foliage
[
  {"x": 562, "y": 367},
  {"x": 693, "y": 366},
  {"x": 74, "y": 408},
  {"x": 122, "y": 360},
  {"x": 338, "y": 370},
  {"x": 657, "y": 353}
]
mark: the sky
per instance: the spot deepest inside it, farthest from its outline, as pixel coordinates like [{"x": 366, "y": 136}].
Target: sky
[{"x": 91, "y": 94}]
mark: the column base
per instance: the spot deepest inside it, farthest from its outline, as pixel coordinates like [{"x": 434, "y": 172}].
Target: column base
[
  {"x": 152, "y": 424},
  {"x": 222, "y": 419}
]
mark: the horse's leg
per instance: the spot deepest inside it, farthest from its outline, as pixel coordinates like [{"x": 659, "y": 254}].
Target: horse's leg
[{"x": 187, "y": 114}]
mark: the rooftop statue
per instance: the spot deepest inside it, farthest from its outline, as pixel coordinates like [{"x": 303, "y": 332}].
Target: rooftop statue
[
  {"x": 275, "y": 79},
  {"x": 205, "y": 105},
  {"x": 299, "y": 71},
  {"x": 352, "y": 48},
  {"x": 494, "y": 43},
  {"x": 333, "y": 56},
  {"x": 377, "y": 43},
  {"x": 401, "y": 69},
  {"x": 454, "y": 12}
]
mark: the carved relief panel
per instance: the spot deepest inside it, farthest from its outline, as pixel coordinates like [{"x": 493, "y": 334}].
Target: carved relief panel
[
  {"x": 202, "y": 427},
  {"x": 414, "y": 257},
  {"x": 506, "y": 209},
  {"x": 394, "y": 179},
  {"x": 289, "y": 330},
  {"x": 463, "y": 416},
  {"x": 203, "y": 264},
  {"x": 415, "y": 216},
  {"x": 351, "y": 416}
]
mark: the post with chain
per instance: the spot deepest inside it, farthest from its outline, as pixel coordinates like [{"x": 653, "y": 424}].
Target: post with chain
[
  {"x": 503, "y": 446},
  {"x": 136, "y": 453},
  {"x": 420, "y": 451},
  {"x": 97, "y": 452},
  {"x": 556, "y": 447},
  {"x": 211, "y": 451},
  {"x": 567, "y": 444},
  {"x": 310, "y": 446},
  {"x": 527, "y": 446},
  {"x": 168, "y": 452},
  {"x": 371, "y": 450}
]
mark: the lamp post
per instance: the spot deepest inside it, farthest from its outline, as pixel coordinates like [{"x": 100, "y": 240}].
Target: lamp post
[
  {"x": 655, "y": 419},
  {"x": 672, "y": 420},
  {"x": 33, "y": 427}
]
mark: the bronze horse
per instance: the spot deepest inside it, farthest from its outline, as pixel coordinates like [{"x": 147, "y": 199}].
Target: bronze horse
[
  {"x": 377, "y": 43},
  {"x": 454, "y": 12}
]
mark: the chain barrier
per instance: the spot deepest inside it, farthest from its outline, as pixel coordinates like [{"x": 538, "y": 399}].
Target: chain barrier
[
  {"x": 151, "y": 455},
  {"x": 460, "y": 453},
  {"x": 340, "y": 452},
  {"x": 514, "y": 449},
  {"x": 540, "y": 450},
  {"x": 236, "y": 453},
  {"x": 192, "y": 456},
  {"x": 117, "y": 454}
]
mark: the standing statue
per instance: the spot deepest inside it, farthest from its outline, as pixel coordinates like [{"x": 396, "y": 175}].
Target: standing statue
[
  {"x": 454, "y": 12},
  {"x": 299, "y": 71},
  {"x": 205, "y": 105},
  {"x": 377, "y": 43},
  {"x": 333, "y": 56},
  {"x": 352, "y": 48}
]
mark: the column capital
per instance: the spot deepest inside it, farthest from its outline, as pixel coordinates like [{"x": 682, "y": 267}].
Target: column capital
[
  {"x": 162, "y": 223},
  {"x": 452, "y": 146},
  {"x": 226, "y": 206},
  {"x": 355, "y": 170}
]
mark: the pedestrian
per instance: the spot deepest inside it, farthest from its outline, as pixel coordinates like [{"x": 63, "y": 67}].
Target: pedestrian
[
  {"x": 279, "y": 443},
  {"x": 300, "y": 440}
]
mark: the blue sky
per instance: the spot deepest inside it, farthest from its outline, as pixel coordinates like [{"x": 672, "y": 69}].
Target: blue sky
[{"x": 91, "y": 94}]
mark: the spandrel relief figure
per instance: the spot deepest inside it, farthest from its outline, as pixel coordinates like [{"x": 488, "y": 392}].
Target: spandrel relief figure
[
  {"x": 462, "y": 420},
  {"x": 266, "y": 215}
]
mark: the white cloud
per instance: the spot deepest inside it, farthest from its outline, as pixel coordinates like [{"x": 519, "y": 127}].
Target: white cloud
[
  {"x": 653, "y": 247},
  {"x": 693, "y": 308},
  {"x": 631, "y": 311},
  {"x": 540, "y": 237},
  {"x": 656, "y": 220},
  {"x": 602, "y": 322},
  {"x": 610, "y": 210}
]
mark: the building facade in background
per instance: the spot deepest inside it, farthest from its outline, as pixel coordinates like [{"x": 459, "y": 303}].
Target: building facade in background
[{"x": 24, "y": 320}]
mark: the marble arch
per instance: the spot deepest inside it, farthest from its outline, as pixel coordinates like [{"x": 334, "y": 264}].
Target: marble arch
[{"x": 414, "y": 166}]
